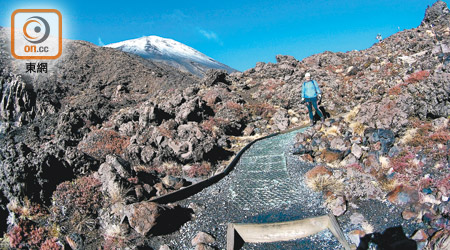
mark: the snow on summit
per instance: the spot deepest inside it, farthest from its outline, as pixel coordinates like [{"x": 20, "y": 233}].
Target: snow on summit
[{"x": 171, "y": 52}]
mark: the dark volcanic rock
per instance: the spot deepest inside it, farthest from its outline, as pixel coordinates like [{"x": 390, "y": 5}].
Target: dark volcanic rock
[
  {"x": 437, "y": 14},
  {"x": 213, "y": 77},
  {"x": 18, "y": 100},
  {"x": 384, "y": 136},
  {"x": 35, "y": 174}
]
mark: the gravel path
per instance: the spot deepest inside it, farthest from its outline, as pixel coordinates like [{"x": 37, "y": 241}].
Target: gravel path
[{"x": 267, "y": 185}]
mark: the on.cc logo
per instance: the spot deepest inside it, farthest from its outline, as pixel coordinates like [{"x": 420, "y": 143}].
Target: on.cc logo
[
  {"x": 36, "y": 34},
  {"x": 39, "y": 36}
]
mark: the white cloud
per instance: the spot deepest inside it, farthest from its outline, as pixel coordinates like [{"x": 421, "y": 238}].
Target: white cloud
[
  {"x": 100, "y": 42},
  {"x": 210, "y": 35}
]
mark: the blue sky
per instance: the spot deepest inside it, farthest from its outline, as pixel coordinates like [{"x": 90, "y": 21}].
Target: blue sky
[{"x": 237, "y": 33}]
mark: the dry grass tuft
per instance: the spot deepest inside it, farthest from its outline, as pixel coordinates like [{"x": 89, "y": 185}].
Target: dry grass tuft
[
  {"x": 408, "y": 137},
  {"x": 352, "y": 114},
  {"x": 325, "y": 183},
  {"x": 357, "y": 128},
  {"x": 387, "y": 185},
  {"x": 333, "y": 130},
  {"x": 172, "y": 168},
  {"x": 118, "y": 194}
]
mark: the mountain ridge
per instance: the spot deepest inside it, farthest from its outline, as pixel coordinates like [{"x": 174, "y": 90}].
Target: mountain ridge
[{"x": 171, "y": 52}]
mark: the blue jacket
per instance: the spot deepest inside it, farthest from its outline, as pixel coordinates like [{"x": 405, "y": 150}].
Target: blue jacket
[{"x": 310, "y": 89}]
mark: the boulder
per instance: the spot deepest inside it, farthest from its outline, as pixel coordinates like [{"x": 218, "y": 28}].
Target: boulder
[
  {"x": 147, "y": 154},
  {"x": 302, "y": 149},
  {"x": 18, "y": 101},
  {"x": 281, "y": 120},
  {"x": 355, "y": 236},
  {"x": 120, "y": 165},
  {"x": 356, "y": 150},
  {"x": 317, "y": 170},
  {"x": 338, "y": 143},
  {"x": 420, "y": 236},
  {"x": 403, "y": 195},
  {"x": 109, "y": 178},
  {"x": 436, "y": 14},
  {"x": 143, "y": 216},
  {"x": 164, "y": 247},
  {"x": 173, "y": 182},
  {"x": 33, "y": 171},
  {"x": 213, "y": 77},
  {"x": 385, "y": 136},
  {"x": 372, "y": 164},
  {"x": 440, "y": 123},
  {"x": 203, "y": 238},
  {"x": 331, "y": 155},
  {"x": 249, "y": 130},
  {"x": 352, "y": 70},
  {"x": 338, "y": 206},
  {"x": 193, "y": 110},
  {"x": 408, "y": 214}
]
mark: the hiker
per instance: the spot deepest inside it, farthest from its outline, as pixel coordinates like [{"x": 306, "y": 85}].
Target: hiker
[
  {"x": 310, "y": 94},
  {"x": 379, "y": 38}
]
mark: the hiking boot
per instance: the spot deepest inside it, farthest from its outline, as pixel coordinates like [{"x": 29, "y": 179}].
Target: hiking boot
[
  {"x": 312, "y": 123},
  {"x": 322, "y": 119}
]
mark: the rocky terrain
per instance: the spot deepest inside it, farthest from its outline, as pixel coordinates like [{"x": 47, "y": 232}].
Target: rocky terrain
[{"x": 86, "y": 146}]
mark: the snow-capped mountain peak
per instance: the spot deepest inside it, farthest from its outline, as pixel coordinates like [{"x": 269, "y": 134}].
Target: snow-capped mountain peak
[{"x": 170, "y": 52}]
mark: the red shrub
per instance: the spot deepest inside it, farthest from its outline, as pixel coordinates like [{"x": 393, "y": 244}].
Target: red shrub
[
  {"x": 113, "y": 243},
  {"x": 418, "y": 76},
  {"x": 390, "y": 105},
  {"x": 50, "y": 244},
  {"x": 209, "y": 124},
  {"x": 263, "y": 109},
  {"x": 26, "y": 235},
  {"x": 234, "y": 105},
  {"x": 396, "y": 90},
  {"x": 441, "y": 136},
  {"x": 211, "y": 97},
  {"x": 212, "y": 122},
  {"x": 268, "y": 96},
  {"x": 403, "y": 161},
  {"x": 16, "y": 237},
  {"x": 154, "y": 168},
  {"x": 165, "y": 132},
  {"x": 101, "y": 142},
  {"x": 422, "y": 135},
  {"x": 199, "y": 169},
  {"x": 134, "y": 180},
  {"x": 356, "y": 166},
  {"x": 444, "y": 185},
  {"x": 37, "y": 210},
  {"x": 272, "y": 86},
  {"x": 388, "y": 69},
  {"x": 172, "y": 169},
  {"x": 36, "y": 235},
  {"x": 426, "y": 183},
  {"x": 331, "y": 68},
  {"x": 75, "y": 198}
]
